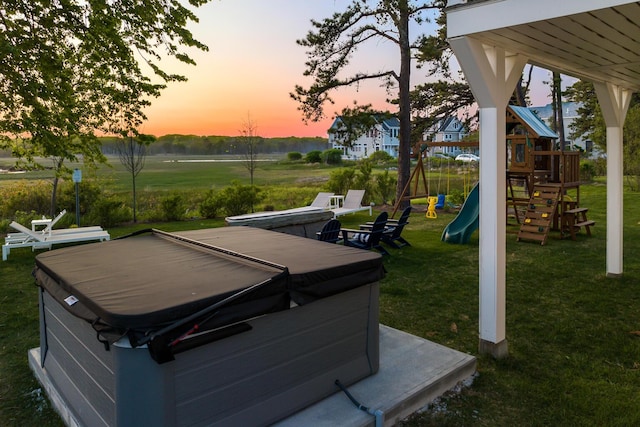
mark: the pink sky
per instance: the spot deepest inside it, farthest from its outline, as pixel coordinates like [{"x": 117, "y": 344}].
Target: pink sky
[{"x": 252, "y": 66}]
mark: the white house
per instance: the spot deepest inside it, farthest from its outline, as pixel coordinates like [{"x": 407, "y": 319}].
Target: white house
[{"x": 382, "y": 136}]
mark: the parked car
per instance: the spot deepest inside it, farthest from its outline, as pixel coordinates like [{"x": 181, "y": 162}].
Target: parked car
[{"x": 467, "y": 157}]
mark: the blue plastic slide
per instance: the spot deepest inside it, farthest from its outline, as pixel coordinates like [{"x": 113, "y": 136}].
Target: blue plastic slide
[{"x": 466, "y": 222}]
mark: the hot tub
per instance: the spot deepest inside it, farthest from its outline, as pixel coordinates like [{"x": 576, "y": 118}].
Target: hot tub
[
  {"x": 228, "y": 326},
  {"x": 304, "y": 221}
]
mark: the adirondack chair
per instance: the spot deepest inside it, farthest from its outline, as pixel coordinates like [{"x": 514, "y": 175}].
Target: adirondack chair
[
  {"x": 330, "y": 231},
  {"x": 367, "y": 237},
  {"x": 392, "y": 232}
]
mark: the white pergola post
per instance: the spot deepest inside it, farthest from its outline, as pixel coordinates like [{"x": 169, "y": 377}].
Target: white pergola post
[
  {"x": 492, "y": 74},
  {"x": 614, "y": 102}
]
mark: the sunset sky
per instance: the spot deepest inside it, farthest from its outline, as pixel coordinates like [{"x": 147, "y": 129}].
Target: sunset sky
[{"x": 253, "y": 64}]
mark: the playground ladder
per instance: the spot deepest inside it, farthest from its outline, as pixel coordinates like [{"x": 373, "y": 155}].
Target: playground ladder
[
  {"x": 517, "y": 198},
  {"x": 540, "y": 212}
]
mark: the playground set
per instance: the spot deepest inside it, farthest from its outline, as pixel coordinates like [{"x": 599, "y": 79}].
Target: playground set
[
  {"x": 543, "y": 182},
  {"x": 543, "y": 185}
]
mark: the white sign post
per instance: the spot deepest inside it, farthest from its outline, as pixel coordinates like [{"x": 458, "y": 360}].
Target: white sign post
[{"x": 77, "y": 178}]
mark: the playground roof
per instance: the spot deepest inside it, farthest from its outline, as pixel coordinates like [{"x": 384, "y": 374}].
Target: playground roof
[{"x": 534, "y": 122}]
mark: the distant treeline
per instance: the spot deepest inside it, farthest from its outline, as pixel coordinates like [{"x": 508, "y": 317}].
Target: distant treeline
[{"x": 218, "y": 145}]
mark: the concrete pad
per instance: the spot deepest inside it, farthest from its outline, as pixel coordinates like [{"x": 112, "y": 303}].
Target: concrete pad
[{"x": 413, "y": 372}]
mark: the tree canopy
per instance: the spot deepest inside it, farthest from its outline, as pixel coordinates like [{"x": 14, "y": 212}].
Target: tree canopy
[
  {"x": 70, "y": 69},
  {"x": 334, "y": 41},
  {"x": 590, "y": 125}
]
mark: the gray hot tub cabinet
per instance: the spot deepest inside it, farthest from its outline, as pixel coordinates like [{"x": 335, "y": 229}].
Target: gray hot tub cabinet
[{"x": 280, "y": 361}]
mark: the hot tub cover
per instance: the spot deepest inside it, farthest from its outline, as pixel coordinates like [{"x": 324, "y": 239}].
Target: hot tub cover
[{"x": 146, "y": 282}]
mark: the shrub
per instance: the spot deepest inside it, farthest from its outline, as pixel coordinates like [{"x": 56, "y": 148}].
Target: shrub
[
  {"x": 332, "y": 156},
  {"x": 108, "y": 211},
  {"x": 25, "y": 196},
  {"x": 363, "y": 180},
  {"x": 210, "y": 206},
  {"x": 313, "y": 157},
  {"x": 285, "y": 197},
  {"x": 341, "y": 180},
  {"x": 386, "y": 185},
  {"x": 587, "y": 171},
  {"x": 381, "y": 158},
  {"x": 239, "y": 199},
  {"x": 294, "y": 156},
  {"x": 600, "y": 166},
  {"x": 173, "y": 207},
  {"x": 24, "y": 217},
  {"x": 90, "y": 192},
  {"x": 456, "y": 197}
]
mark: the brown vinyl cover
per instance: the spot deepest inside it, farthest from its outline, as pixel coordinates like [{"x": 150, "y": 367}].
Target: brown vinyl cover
[{"x": 150, "y": 279}]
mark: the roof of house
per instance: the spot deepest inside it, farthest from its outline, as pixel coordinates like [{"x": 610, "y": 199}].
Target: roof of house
[
  {"x": 389, "y": 122},
  {"x": 445, "y": 123},
  {"x": 569, "y": 109}
]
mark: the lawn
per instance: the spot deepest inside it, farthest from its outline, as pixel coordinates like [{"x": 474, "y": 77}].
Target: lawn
[{"x": 574, "y": 340}]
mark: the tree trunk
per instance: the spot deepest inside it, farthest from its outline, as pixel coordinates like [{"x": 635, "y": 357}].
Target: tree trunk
[
  {"x": 557, "y": 83},
  {"x": 54, "y": 192},
  {"x": 133, "y": 179},
  {"x": 519, "y": 94},
  {"x": 404, "y": 149}
]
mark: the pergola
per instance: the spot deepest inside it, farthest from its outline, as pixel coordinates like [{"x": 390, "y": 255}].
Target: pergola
[{"x": 594, "y": 40}]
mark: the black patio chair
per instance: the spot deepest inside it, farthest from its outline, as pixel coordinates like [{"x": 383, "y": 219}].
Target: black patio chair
[
  {"x": 330, "y": 231},
  {"x": 367, "y": 237},
  {"x": 392, "y": 232}
]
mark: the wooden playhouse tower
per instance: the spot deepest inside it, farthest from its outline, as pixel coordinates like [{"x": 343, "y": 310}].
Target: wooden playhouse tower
[{"x": 543, "y": 182}]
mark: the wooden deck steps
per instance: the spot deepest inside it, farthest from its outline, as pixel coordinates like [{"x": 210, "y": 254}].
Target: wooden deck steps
[{"x": 539, "y": 214}]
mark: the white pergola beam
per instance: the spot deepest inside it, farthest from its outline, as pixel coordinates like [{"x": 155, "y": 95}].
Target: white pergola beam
[
  {"x": 614, "y": 102},
  {"x": 492, "y": 74}
]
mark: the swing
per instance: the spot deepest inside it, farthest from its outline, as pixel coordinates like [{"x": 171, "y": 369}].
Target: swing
[
  {"x": 431, "y": 210},
  {"x": 442, "y": 197}
]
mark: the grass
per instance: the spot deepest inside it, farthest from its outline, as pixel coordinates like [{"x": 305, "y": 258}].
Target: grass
[
  {"x": 574, "y": 350},
  {"x": 168, "y": 173}
]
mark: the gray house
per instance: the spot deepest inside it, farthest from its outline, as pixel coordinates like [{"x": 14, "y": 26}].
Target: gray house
[{"x": 447, "y": 130}]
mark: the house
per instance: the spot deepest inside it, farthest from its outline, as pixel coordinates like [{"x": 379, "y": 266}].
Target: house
[
  {"x": 382, "y": 136},
  {"x": 446, "y": 131},
  {"x": 569, "y": 114}
]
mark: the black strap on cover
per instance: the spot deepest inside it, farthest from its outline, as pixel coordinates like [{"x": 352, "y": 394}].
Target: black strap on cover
[{"x": 163, "y": 344}]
